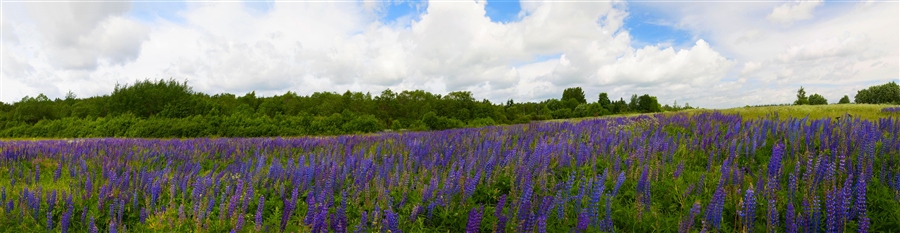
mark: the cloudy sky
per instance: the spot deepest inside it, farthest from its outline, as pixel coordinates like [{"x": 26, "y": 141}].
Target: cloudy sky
[{"x": 708, "y": 54}]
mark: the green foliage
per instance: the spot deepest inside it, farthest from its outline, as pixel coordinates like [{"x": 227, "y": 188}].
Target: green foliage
[
  {"x": 801, "y": 97},
  {"x": 146, "y": 98},
  {"x": 844, "y": 100},
  {"x": 816, "y": 99},
  {"x": 888, "y": 93},
  {"x": 166, "y": 109},
  {"x": 574, "y": 93},
  {"x": 647, "y": 104}
]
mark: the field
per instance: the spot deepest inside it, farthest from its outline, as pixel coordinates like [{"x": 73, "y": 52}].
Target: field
[{"x": 739, "y": 170}]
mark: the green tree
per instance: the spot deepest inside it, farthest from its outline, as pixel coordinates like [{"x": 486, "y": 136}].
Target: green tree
[
  {"x": 844, "y": 100},
  {"x": 801, "y": 97},
  {"x": 647, "y": 104},
  {"x": 816, "y": 99},
  {"x": 146, "y": 98},
  {"x": 603, "y": 100},
  {"x": 880, "y": 94},
  {"x": 574, "y": 93}
]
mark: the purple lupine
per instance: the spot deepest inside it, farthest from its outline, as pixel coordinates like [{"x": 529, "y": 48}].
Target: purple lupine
[
  {"x": 643, "y": 190},
  {"x": 790, "y": 221},
  {"x": 501, "y": 202},
  {"x": 678, "y": 169},
  {"x": 143, "y": 215},
  {"x": 583, "y": 221},
  {"x": 772, "y": 217},
  {"x": 289, "y": 206},
  {"x": 688, "y": 223},
  {"x": 112, "y": 227},
  {"x": 57, "y": 173},
  {"x": 714, "y": 210},
  {"x": 240, "y": 223},
  {"x": 863, "y": 224},
  {"x": 92, "y": 228},
  {"x": 391, "y": 221},
  {"x": 619, "y": 181},
  {"x": 50, "y": 220},
  {"x": 748, "y": 210},
  {"x": 861, "y": 189},
  {"x": 362, "y": 222},
  {"x": 259, "y": 211},
  {"x": 775, "y": 160},
  {"x": 474, "y": 219}
]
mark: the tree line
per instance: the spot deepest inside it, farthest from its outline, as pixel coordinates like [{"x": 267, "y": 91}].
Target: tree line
[
  {"x": 888, "y": 93},
  {"x": 167, "y": 108}
]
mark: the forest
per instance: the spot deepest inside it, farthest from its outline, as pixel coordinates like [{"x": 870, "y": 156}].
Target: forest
[{"x": 168, "y": 108}]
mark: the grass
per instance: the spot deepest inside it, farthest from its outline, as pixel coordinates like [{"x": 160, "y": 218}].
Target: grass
[{"x": 862, "y": 111}]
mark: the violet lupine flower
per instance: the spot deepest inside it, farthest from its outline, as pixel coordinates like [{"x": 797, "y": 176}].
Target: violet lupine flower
[
  {"x": 594, "y": 202},
  {"x": 861, "y": 196},
  {"x": 619, "y": 181},
  {"x": 391, "y": 221},
  {"x": 362, "y": 222},
  {"x": 112, "y": 227},
  {"x": 748, "y": 210},
  {"x": 775, "y": 160},
  {"x": 501, "y": 202},
  {"x": 289, "y": 208},
  {"x": 474, "y": 219},
  {"x": 688, "y": 223},
  {"x": 37, "y": 174},
  {"x": 863, "y": 224},
  {"x": 643, "y": 189},
  {"x": 143, "y": 215},
  {"x": 65, "y": 219},
  {"x": 789, "y": 218},
  {"x": 679, "y": 169},
  {"x": 92, "y": 228},
  {"x": 57, "y": 173},
  {"x": 583, "y": 221},
  {"x": 714, "y": 210},
  {"x": 772, "y": 217},
  {"x": 240, "y": 223},
  {"x": 50, "y": 220}
]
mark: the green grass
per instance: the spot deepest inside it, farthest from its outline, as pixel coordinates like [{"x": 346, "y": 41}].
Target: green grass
[{"x": 862, "y": 111}]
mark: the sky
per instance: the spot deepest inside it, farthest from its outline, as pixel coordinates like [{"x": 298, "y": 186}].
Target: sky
[{"x": 712, "y": 54}]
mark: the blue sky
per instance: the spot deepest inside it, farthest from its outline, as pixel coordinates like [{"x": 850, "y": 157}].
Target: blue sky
[{"x": 717, "y": 55}]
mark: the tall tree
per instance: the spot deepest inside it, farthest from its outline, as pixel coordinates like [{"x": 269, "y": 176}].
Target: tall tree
[
  {"x": 844, "y": 100},
  {"x": 603, "y": 100},
  {"x": 816, "y": 99},
  {"x": 801, "y": 97},
  {"x": 574, "y": 93}
]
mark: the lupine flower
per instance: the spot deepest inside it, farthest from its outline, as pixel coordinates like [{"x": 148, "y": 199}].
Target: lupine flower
[
  {"x": 775, "y": 160},
  {"x": 92, "y": 228},
  {"x": 688, "y": 223},
  {"x": 748, "y": 210},
  {"x": 583, "y": 221},
  {"x": 714, "y": 210},
  {"x": 678, "y": 169},
  {"x": 391, "y": 221},
  {"x": 619, "y": 181},
  {"x": 474, "y": 219},
  {"x": 789, "y": 219},
  {"x": 50, "y": 220}
]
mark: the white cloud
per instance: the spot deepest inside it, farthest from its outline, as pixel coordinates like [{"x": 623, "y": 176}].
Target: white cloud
[
  {"x": 335, "y": 46},
  {"x": 791, "y": 12}
]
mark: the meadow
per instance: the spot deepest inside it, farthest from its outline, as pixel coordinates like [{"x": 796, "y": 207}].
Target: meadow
[{"x": 695, "y": 171}]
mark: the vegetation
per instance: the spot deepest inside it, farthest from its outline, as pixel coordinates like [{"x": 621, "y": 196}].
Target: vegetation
[
  {"x": 678, "y": 172},
  {"x": 888, "y": 93},
  {"x": 161, "y": 109}
]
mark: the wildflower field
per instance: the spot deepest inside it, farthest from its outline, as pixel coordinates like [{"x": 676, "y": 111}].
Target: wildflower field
[{"x": 702, "y": 172}]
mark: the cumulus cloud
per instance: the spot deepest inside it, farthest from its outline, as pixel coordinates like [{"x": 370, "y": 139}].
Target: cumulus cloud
[
  {"x": 791, "y": 12},
  {"x": 81, "y": 34},
  {"x": 334, "y": 46}
]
